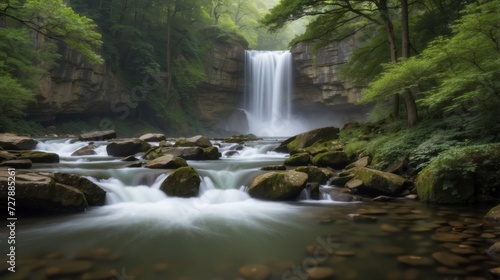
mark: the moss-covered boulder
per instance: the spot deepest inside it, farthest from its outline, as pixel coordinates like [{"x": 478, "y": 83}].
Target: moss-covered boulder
[
  {"x": 494, "y": 214},
  {"x": 195, "y": 141},
  {"x": 211, "y": 153},
  {"x": 299, "y": 159},
  {"x": 278, "y": 186},
  {"x": 461, "y": 175},
  {"x": 93, "y": 193},
  {"x": 166, "y": 162},
  {"x": 127, "y": 147},
  {"x": 376, "y": 182},
  {"x": 39, "y": 156},
  {"x": 183, "y": 182},
  {"x": 334, "y": 159},
  {"x": 307, "y": 139},
  {"x": 315, "y": 174}
]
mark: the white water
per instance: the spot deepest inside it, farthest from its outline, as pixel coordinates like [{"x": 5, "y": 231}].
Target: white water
[{"x": 269, "y": 92}]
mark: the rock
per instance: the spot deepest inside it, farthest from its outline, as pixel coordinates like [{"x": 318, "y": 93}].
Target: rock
[
  {"x": 362, "y": 162},
  {"x": 85, "y": 151},
  {"x": 450, "y": 236},
  {"x": 399, "y": 167},
  {"x": 461, "y": 175},
  {"x": 127, "y": 147},
  {"x": 320, "y": 273},
  {"x": 315, "y": 174},
  {"x": 298, "y": 159},
  {"x": 130, "y": 158},
  {"x": 273, "y": 168},
  {"x": 449, "y": 259},
  {"x": 183, "y": 182},
  {"x": 494, "y": 251},
  {"x": 354, "y": 184},
  {"x": 307, "y": 139},
  {"x": 340, "y": 195},
  {"x": 40, "y": 193},
  {"x": 6, "y": 156},
  {"x": 313, "y": 190},
  {"x": 134, "y": 165},
  {"x": 255, "y": 272},
  {"x": 340, "y": 181},
  {"x": 377, "y": 182},
  {"x": 335, "y": 160},
  {"x": 18, "y": 163},
  {"x": 39, "y": 157},
  {"x": 390, "y": 228},
  {"x": 494, "y": 214},
  {"x": 97, "y": 135},
  {"x": 415, "y": 260},
  {"x": 93, "y": 193},
  {"x": 211, "y": 153},
  {"x": 278, "y": 186},
  {"x": 153, "y": 137},
  {"x": 187, "y": 153},
  {"x": 69, "y": 268},
  {"x": 167, "y": 162},
  {"x": 495, "y": 272},
  {"x": 231, "y": 153},
  {"x": 195, "y": 141},
  {"x": 383, "y": 198},
  {"x": 241, "y": 138},
  {"x": 10, "y": 141}
]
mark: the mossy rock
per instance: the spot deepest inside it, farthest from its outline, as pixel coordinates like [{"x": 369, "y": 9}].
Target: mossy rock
[
  {"x": 278, "y": 186},
  {"x": 315, "y": 174},
  {"x": 307, "y": 139},
  {"x": 241, "y": 138},
  {"x": 376, "y": 182},
  {"x": 298, "y": 159},
  {"x": 127, "y": 147},
  {"x": 39, "y": 157},
  {"x": 334, "y": 159},
  {"x": 211, "y": 153},
  {"x": 93, "y": 193},
  {"x": 195, "y": 141},
  {"x": 183, "y": 182},
  {"x": 461, "y": 175},
  {"x": 493, "y": 214}
]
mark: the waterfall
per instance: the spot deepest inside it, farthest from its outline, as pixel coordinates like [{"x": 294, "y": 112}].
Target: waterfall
[{"x": 268, "y": 93}]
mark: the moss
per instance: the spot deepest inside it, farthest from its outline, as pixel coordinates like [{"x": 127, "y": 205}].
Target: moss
[
  {"x": 379, "y": 182},
  {"x": 298, "y": 159},
  {"x": 336, "y": 160},
  {"x": 183, "y": 182}
]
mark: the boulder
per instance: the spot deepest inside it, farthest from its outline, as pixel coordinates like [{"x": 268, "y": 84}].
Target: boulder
[
  {"x": 10, "y": 141},
  {"x": 299, "y": 159},
  {"x": 461, "y": 175},
  {"x": 377, "y": 182},
  {"x": 93, "y": 193},
  {"x": 315, "y": 174},
  {"x": 127, "y": 147},
  {"x": 99, "y": 135},
  {"x": 195, "y": 141},
  {"x": 153, "y": 137},
  {"x": 4, "y": 155},
  {"x": 342, "y": 180},
  {"x": 211, "y": 153},
  {"x": 183, "y": 182},
  {"x": 85, "y": 151},
  {"x": 309, "y": 138},
  {"x": 187, "y": 153},
  {"x": 167, "y": 162},
  {"x": 342, "y": 196},
  {"x": 273, "y": 168},
  {"x": 278, "y": 186},
  {"x": 38, "y": 193},
  {"x": 241, "y": 138},
  {"x": 362, "y": 162},
  {"x": 335, "y": 160},
  {"x": 17, "y": 163},
  {"x": 494, "y": 214},
  {"x": 39, "y": 156}
]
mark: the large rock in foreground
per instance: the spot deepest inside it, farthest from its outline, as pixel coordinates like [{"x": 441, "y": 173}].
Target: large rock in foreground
[
  {"x": 15, "y": 142},
  {"x": 99, "y": 135},
  {"x": 376, "y": 182},
  {"x": 278, "y": 186},
  {"x": 93, "y": 193},
  {"x": 307, "y": 139},
  {"x": 183, "y": 182},
  {"x": 461, "y": 175},
  {"x": 127, "y": 147}
]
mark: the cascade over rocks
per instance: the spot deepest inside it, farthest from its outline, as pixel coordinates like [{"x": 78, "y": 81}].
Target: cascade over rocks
[
  {"x": 278, "y": 186},
  {"x": 127, "y": 147},
  {"x": 183, "y": 182},
  {"x": 10, "y": 141}
]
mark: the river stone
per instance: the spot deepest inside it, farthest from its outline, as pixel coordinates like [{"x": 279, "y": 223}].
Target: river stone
[
  {"x": 68, "y": 269},
  {"x": 449, "y": 259},
  {"x": 39, "y": 156},
  {"x": 85, "y": 151},
  {"x": 187, "y": 153},
  {"x": 17, "y": 163},
  {"x": 195, "y": 141},
  {"x": 167, "y": 162},
  {"x": 298, "y": 159},
  {"x": 450, "y": 236},
  {"x": 377, "y": 182},
  {"x": 211, "y": 153},
  {"x": 127, "y": 147},
  {"x": 93, "y": 193},
  {"x": 278, "y": 186},
  {"x": 153, "y": 137},
  {"x": 333, "y": 159},
  {"x": 255, "y": 272},
  {"x": 319, "y": 273},
  {"x": 354, "y": 184},
  {"x": 97, "y": 135},
  {"x": 98, "y": 254},
  {"x": 341, "y": 180},
  {"x": 494, "y": 251},
  {"x": 494, "y": 214},
  {"x": 315, "y": 174},
  {"x": 4, "y": 155},
  {"x": 415, "y": 260},
  {"x": 183, "y": 182},
  {"x": 10, "y": 141}
]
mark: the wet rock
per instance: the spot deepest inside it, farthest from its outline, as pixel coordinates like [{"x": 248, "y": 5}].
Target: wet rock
[
  {"x": 231, "y": 153},
  {"x": 70, "y": 268},
  {"x": 494, "y": 214},
  {"x": 415, "y": 260},
  {"x": 187, "y": 153},
  {"x": 494, "y": 251},
  {"x": 278, "y": 186},
  {"x": 153, "y": 137},
  {"x": 97, "y": 135},
  {"x": 10, "y": 141},
  {"x": 273, "y": 168},
  {"x": 362, "y": 162},
  {"x": 167, "y": 162},
  {"x": 183, "y": 182},
  {"x": 85, "y": 151},
  {"x": 383, "y": 198},
  {"x": 307, "y": 139},
  {"x": 315, "y": 174},
  {"x": 333, "y": 159},
  {"x": 340, "y": 195},
  {"x": 450, "y": 236},
  {"x": 449, "y": 259},
  {"x": 4, "y": 155},
  {"x": 377, "y": 182},
  {"x": 341, "y": 180},
  {"x": 320, "y": 273},
  {"x": 39, "y": 157},
  {"x": 195, "y": 141},
  {"x": 127, "y": 147},
  {"x": 17, "y": 163},
  {"x": 354, "y": 184},
  {"x": 255, "y": 272},
  {"x": 298, "y": 159},
  {"x": 93, "y": 193},
  {"x": 134, "y": 165},
  {"x": 98, "y": 254},
  {"x": 313, "y": 190},
  {"x": 130, "y": 158},
  {"x": 241, "y": 138}
]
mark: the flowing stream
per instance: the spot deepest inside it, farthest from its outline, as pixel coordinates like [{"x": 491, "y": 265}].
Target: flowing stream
[{"x": 153, "y": 236}]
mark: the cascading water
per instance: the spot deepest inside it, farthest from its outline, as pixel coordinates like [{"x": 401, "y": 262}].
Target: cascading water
[{"x": 268, "y": 94}]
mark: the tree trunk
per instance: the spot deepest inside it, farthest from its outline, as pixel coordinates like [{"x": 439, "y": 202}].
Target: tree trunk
[{"x": 411, "y": 106}]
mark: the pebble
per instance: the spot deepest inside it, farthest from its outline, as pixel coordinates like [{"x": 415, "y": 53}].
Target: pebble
[
  {"x": 450, "y": 236},
  {"x": 68, "y": 268},
  {"x": 319, "y": 273},
  {"x": 390, "y": 228},
  {"x": 415, "y": 260},
  {"x": 449, "y": 259},
  {"x": 255, "y": 272}
]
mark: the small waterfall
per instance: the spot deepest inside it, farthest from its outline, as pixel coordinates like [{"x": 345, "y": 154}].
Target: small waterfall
[{"x": 269, "y": 90}]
